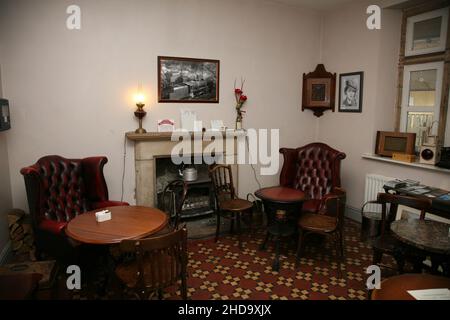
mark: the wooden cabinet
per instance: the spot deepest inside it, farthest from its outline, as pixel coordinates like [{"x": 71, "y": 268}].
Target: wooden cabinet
[{"x": 319, "y": 90}]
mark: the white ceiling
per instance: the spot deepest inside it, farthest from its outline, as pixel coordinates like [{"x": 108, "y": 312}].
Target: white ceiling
[{"x": 315, "y": 4}]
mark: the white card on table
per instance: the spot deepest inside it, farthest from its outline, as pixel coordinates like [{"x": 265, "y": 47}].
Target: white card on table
[{"x": 430, "y": 294}]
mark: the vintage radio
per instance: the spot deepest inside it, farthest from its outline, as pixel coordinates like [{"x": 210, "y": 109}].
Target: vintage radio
[{"x": 389, "y": 142}]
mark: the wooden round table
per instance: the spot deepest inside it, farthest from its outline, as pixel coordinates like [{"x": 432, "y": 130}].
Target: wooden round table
[
  {"x": 397, "y": 287},
  {"x": 281, "y": 195},
  {"x": 282, "y": 206},
  {"x": 127, "y": 222}
]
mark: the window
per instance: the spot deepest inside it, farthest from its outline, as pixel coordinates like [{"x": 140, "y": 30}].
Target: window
[
  {"x": 424, "y": 87},
  {"x": 427, "y": 32},
  {"x": 421, "y": 101}
]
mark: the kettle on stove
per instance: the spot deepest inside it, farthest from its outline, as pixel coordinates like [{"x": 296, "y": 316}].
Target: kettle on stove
[{"x": 188, "y": 173}]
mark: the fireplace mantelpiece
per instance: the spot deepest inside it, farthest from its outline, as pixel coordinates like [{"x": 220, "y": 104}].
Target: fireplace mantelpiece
[{"x": 149, "y": 145}]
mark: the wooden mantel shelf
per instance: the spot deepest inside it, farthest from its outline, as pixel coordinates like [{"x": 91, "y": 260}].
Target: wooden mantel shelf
[
  {"x": 149, "y": 136},
  {"x": 167, "y": 136}
]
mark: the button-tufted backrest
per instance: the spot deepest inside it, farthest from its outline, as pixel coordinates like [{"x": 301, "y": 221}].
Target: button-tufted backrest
[
  {"x": 63, "y": 194},
  {"x": 314, "y": 169}
]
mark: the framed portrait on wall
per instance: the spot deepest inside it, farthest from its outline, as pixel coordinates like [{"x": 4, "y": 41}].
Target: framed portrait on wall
[
  {"x": 188, "y": 80},
  {"x": 351, "y": 92}
]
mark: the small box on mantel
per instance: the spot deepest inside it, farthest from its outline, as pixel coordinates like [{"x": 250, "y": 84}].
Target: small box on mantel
[{"x": 403, "y": 157}]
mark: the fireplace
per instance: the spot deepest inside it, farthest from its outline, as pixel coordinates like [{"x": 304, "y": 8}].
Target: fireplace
[
  {"x": 152, "y": 148},
  {"x": 200, "y": 196}
]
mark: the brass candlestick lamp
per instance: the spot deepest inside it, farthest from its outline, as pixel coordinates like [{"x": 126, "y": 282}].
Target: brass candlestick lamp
[{"x": 140, "y": 113}]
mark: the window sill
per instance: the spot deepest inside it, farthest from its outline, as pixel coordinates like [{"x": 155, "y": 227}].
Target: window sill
[{"x": 417, "y": 165}]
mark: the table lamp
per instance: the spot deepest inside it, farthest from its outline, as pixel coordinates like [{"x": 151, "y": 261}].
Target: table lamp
[{"x": 139, "y": 98}]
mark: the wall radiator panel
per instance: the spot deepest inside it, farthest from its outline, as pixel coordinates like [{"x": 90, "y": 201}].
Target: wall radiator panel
[{"x": 374, "y": 185}]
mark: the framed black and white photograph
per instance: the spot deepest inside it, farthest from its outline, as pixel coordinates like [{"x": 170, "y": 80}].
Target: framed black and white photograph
[
  {"x": 351, "y": 92},
  {"x": 188, "y": 80}
]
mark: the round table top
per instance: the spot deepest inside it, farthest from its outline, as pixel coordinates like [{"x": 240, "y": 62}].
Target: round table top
[
  {"x": 281, "y": 195},
  {"x": 127, "y": 222},
  {"x": 428, "y": 235},
  {"x": 395, "y": 288}
]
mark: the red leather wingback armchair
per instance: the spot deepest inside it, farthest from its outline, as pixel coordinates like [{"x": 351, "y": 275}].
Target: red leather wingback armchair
[
  {"x": 314, "y": 169},
  {"x": 59, "y": 189}
]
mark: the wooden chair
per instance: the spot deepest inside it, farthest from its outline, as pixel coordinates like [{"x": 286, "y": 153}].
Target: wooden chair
[
  {"x": 227, "y": 204},
  {"x": 172, "y": 201},
  {"x": 386, "y": 243},
  {"x": 160, "y": 261},
  {"x": 330, "y": 222}
]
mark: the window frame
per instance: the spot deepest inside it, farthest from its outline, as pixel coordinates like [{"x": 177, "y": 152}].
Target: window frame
[
  {"x": 422, "y": 17},
  {"x": 405, "y": 107},
  {"x": 444, "y": 56}
]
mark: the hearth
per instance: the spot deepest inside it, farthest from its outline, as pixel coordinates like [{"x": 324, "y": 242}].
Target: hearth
[{"x": 200, "y": 197}]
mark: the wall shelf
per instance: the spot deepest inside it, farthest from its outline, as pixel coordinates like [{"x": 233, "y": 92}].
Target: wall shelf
[{"x": 371, "y": 156}]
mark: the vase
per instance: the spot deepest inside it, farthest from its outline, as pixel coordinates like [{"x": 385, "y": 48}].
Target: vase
[{"x": 239, "y": 123}]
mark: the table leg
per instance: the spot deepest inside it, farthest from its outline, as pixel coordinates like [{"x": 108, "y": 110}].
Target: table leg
[
  {"x": 276, "y": 262},
  {"x": 264, "y": 244},
  {"x": 238, "y": 228}
]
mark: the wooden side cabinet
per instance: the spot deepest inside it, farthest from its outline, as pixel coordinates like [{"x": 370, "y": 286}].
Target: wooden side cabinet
[{"x": 319, "y": 91}]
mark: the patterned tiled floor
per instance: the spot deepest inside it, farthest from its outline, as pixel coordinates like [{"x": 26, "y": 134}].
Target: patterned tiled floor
[{"x": 223, "y": 271}]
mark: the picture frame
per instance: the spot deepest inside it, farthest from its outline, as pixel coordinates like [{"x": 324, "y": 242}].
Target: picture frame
[
  {"x": 351, "y": 87},
  {"x": 319, "y": 88},
  {"x": 188, "y": 80}
]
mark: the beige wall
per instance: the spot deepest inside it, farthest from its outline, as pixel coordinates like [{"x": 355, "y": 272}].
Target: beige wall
[
  {"x": 5, "y": 187},
  {"x": 72, "y": 90},
  {"x": 349, "y": 46}
]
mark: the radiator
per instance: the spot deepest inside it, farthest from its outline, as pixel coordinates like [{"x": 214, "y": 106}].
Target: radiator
[{"x": 374, "y": 185}]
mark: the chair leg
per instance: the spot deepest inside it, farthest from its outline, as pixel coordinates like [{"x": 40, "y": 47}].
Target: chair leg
[
  {"x": 217, "y": 227},
  {"x": 238, "y": 228},
  {"x": 339, "y": 253},
  {"x": 299, "y": 248},
  {"x": 160, "y": 294},
  {"x": 377, "y": 256},
  {"x": 233, "y": 217},
  {"x": 400, "y": 260},
  {"x": 418, "y": 265},
  {"x": 341, "y": 242},
  {"x": 250, "y": 224},
  {"x": 183, "y": 288}
]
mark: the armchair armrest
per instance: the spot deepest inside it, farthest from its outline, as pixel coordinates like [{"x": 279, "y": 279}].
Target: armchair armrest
[
  {"x": 335, "y": 193},
  {"x": 108, "y": 203},
  {"x": 52, "y": 226}
]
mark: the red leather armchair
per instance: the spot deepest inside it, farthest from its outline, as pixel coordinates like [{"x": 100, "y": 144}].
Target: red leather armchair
[
  {"x": 58, "y": 189},
  {"x": 314, "y": 169}
]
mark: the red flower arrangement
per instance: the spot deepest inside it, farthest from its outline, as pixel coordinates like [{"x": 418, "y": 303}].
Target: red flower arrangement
[{"x": 240, "y": 100}]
